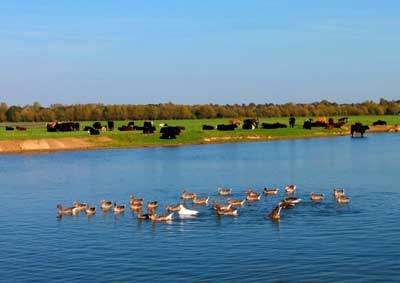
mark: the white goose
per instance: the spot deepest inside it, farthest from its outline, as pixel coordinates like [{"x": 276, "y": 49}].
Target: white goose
[{"x": 187, "y": 212}]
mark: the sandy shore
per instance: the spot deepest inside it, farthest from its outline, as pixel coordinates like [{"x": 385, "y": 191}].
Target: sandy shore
[{"x": 68, "y": 144}]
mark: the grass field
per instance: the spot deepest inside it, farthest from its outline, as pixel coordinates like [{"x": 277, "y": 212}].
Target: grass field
[{"x": 192, "y": 135}]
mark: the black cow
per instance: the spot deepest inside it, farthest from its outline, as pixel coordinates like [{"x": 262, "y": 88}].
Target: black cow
[
  {"x": 131, "y": 124},
  {"x": 148, "y": 127},
  {"x": 110, "y": 125},
  {"x": 250, "y": 124},
  {"x": 273, "y": 126},
  {"x": 169, "y": 132},
  {"x": 94, "y": 132},
  {"x": 230, "y": 127},
  {"x": 344, "y": 119},
  {"x": 307, "y": 125},
  {"x": 379, "y": 123},
  {"x": 292, "y": 121},
  {"x": 97, "y": 125},
  {"x": 358, "y": 128},
  {"x": 208, "y": 127},
  {"x": 8, "y": 128}
]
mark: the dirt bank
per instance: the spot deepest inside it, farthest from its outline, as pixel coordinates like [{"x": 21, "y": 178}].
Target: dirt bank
[{"x": 44, "y": 145}]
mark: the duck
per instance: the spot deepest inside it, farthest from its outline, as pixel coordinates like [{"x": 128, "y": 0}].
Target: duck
[
  {"x": 135, "y": 201},
  {"x": 224, "y": 192},
  {"x": 276, "y": 212},
  {"x": 292, "y": 200},
  {"x": 90, "y": 210},
  {"x": 216, "y": 206},
  {"x": 236, "y": 202},
  {"x": 290, "y": 189},
  {"x": 343, "y": 199},
  {"x": 251, "y": 192},
  {"x": 67, "y": 211},
  {"x": 106, "y": 205},
  {"x": 227, "y": 212},
  {"x": 176, "y": 207},
  {"x": 270, "y": 191},
  {"x": 119, "y": 208},
  {"x": 80, "y": 206},
  {"x": 186, "y": 212},
  {"x": 203, "y": 201},
  {"x": 186, "y": 195},
  {"x": 338, "y": 192},
  {"x": 316, "y": 197},
  {"x": 167, "y": 217}
]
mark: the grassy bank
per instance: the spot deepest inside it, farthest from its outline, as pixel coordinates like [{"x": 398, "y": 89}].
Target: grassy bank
[{"x": 192, "y": 135}]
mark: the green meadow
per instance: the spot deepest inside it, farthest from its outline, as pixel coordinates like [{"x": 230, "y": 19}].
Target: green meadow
[{"x": 193, "y": 134}]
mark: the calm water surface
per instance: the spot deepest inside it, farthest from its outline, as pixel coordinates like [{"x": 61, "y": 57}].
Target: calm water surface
[{"x": 359, "y": 242}]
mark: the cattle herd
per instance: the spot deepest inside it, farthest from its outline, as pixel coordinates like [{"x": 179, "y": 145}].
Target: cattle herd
[
  {"x": 226, "y": 206},
  {"x": 171, "y": 132}
]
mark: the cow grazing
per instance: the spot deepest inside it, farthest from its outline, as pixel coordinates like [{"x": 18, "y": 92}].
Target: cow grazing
[
  {"x": 379, "y": 123},
  {"x": 273, "y": 126},
  {"x": 235, "y": 122},
  {"x": 292, "y": 121},
  {"x": 208, "y": 127},
  {"x": 230, "y": 127},
  {"x": 110, "y": 125},
  {"x": 358, "y": 128},
  {"x": 19, "y": 128},
  {"x": 94, "y": 132},
  {"x": 250, "y": 124},
  {"x": 62, "y": 126},
  {"x": 169, "y": 132},
  {"x": 97, "y": 125}
]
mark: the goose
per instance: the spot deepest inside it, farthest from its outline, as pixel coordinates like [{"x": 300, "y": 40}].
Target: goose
[
  {"x": 106, "y": 205},
  {"x": 252, "y": 193},
  {"x": 203, "y": 201},
  {"x": 216, "y": 206},
  {"x": 90, "y": 210},
  {"x": 224, "y": 192},
  {"x": 67, "y": 211},
  {"x": 152, "y": 205},
  {"x": 135, "y": 201},
  {"x": 176, "y": 207},
  {"x": 186, "y": 195},
  {"x": 119, "y": 208},
  {"x": 290, "y": 189},
  {"x": 136, "y": 206},
  {"x": 292, "y": 200},
  {"x": 343, "y": 199},
  {"x": 227, "y": 212},
  {"x": 316, "y": 197},
  {"x": 276, "y": 212},
  {"x": 186, "y": 212},
  {"x": 270, "y": 191},
  {"x": 252, "y": 196},
  {"x": 286, "y": 205},
  {"x": 80, "y": 206},
  {"x": 155, "y": 217},
  {"x": 338, "y": 192},
  {"x": 236, "y": 202},
  {"x": 143, "y": 216}
]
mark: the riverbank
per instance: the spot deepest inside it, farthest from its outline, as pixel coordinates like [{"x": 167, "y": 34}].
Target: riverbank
[{"x": 112, "y": 142}]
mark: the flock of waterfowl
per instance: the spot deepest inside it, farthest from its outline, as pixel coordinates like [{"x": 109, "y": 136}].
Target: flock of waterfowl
[{"x": 230, "y": 208}]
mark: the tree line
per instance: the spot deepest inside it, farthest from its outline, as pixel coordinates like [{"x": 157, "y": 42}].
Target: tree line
[{"x": 169, "y": 111}]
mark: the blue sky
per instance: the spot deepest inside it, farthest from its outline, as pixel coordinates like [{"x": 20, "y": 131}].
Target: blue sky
[{"x": 198, "y": 51}]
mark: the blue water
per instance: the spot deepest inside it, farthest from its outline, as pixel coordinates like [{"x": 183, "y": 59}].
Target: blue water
[{"x": 325, "y": 242}]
